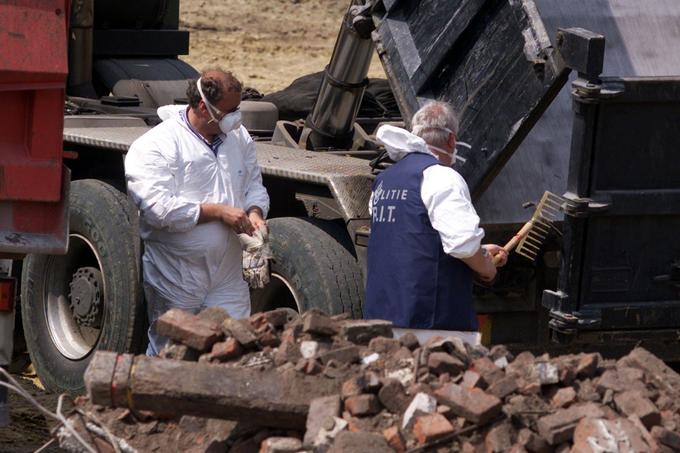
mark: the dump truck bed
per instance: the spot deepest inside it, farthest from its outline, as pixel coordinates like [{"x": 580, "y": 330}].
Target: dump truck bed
[{"x": 636, "y": 45}]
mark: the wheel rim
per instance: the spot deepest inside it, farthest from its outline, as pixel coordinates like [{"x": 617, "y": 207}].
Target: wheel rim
[
  {"x": 74, "y": 295},
  {"x": 279, "y": 292}
]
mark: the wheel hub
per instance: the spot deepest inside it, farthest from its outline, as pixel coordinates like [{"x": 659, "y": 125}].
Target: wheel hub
[{"x": 85, "y": 295}]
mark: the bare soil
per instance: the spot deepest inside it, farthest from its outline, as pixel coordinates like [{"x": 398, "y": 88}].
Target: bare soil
[{"x": 266, "y": 43}]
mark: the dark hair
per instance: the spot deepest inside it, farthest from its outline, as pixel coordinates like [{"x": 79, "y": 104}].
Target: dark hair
[{"x": 212, "y": 88}]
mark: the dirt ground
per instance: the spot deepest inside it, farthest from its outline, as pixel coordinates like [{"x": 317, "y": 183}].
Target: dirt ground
[{"x": 266, "y": 43}]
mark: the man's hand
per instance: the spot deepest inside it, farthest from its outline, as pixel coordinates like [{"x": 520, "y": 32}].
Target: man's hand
[
  {"x": 257, "y": 219},
  {"x": 496, "y": 250},
  {"x": 237, "y": 219}
]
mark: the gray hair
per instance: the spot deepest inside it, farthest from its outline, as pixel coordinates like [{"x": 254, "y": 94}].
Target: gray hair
[{"x": 432, "y": 120}]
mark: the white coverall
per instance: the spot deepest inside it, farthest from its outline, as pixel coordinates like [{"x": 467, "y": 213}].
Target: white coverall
[
  {"x": 446, "y": 197},
  {"x": 170, "y": 171}
]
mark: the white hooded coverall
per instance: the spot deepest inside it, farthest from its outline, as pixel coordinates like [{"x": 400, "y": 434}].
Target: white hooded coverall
[{"x": 170, "y": 171}]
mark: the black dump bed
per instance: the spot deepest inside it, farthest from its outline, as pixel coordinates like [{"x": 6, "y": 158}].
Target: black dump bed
[{"x": 494, "y": 61}]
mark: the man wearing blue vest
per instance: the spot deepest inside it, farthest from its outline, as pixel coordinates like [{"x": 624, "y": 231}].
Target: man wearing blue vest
[{"x": 425, "y": 244}]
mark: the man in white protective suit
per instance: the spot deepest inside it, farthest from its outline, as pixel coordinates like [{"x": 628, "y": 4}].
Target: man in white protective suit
[
  {"x": 425, "y": 244},
  {"x": 197, "y": 184}
]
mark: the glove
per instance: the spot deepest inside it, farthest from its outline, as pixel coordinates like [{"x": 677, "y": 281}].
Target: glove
[{"x": 256, "y": 256}]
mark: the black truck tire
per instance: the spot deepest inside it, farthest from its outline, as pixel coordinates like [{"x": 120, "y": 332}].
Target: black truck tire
[
  {"x": 312, "y": 268},
  {"x": 90, "y": 298}
]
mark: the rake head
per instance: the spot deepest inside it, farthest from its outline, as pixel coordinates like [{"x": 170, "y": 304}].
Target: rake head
[{"x": 547, "y": 212}]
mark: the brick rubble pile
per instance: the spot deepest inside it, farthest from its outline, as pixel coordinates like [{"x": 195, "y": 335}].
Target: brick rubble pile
[{"x": 343, "y": 385}]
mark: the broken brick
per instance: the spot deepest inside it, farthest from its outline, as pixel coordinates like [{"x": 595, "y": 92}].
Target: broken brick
[
  {"x": 409, "y": 340},
  {"x": 559, "y": 427},
  {"x": 393, "y": 396},
  {"x": 431, "y": 427},
  {"x": 620, "y": 380},
  {"x": 422, "y": 403},
  {"x": 287, "y": 352},
  {"x": 344, "y": 354},
  {"x": 633, "y": 403},
  {"x": 666, "y": 437},
  {"x": 596, "y": 435},
  {"x": 473, "y": 404},
  {"x": 177, "y": 351},
  {"x": 226, "y": 350},
  {"x": 655, "y": 369},
  {"x": 489, "y": 372},
  {"x": 360, "y": 405},
  {"x": 564, "y": 397},
  {"x": 383, "y": 345},
  {"x": 318, "y": 324},
  {"x": 280, "y": 445},
  {"x": 319, "y": 410},
  {"x": 362, "y": 331},
  {"x": 241, "y": 330},
  {"x": 472, "y": 379},
  {"x": 532, "y": 442},
  {"x": 587, "y": 365},
  {"x": 522, "y": 363},
  {"x": 503, "y": 387},
  {"x": 187, "y": 329},
  {"x": 280, "y": 316},
  {"x": 358, "y": 442},
  {"x": 394, "y": 439},
  {"x": 441, "y": 362},
  {"x": 499, "y": 437},
  {"x": 215, "y": 316},
  {"x": 353, "y": 386}
]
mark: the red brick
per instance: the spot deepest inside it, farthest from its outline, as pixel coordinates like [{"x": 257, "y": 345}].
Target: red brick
[
  {"x": 587, "y": 365},
  {"x": 318, "y": 324},
  {"x": 666, "y": 437},
  {"x": 215, "y": 316},
  {"x": 278, "y": 317},
  {"x": 656, "y": 370},
  {"x": 343, "y": 354},
  {"x": 394, "y": 439},
  {"x": 522, "y": 364},
  {"x": 532, "y": 442},
  {"x": 441, "y": 362},
  {"x": 362, "y": 331},
  {"x": 473, "y": 404},
  {"x": 187, "y": 329},
  {"x": 503, "y": 387},
  {"x": 320, "y": 409},
  {"x": 559, "y": 427},
  {"x": 472, "y": 379},
  {"x": 383, "y": 345},
  {"x": 596, "y": 435},
  {"x": 499, "y": 437},
  {"x": 409, "y": 341},
  {"x": 431, "y": 427},
  {"x": 241, "y": 330},
  {"x": 485, "y": 367},
  {"x": 177, "y": 351},
  {"x": 633, "y": 403},
  {"x": 226, "y": 350},
  {"x": 620, "y": 380},
  {"x": 280, "y": 445},
  {"x": 361, "y": 405},
  {"x": 393, "y": 396},
  {"x": 564, "y": 397},
  {"x": 353, "y": 386},
  {"x": 287, "y": 352},
  {"x": 360, "y": 442}
]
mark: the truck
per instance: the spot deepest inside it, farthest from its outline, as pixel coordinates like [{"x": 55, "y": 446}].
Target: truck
[
  {"x": 545, "y": 104},
  {"x": 34, "y": 182}
]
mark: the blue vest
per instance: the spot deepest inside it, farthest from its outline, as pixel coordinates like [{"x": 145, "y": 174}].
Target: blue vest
[{"x": 411, "y": 281}]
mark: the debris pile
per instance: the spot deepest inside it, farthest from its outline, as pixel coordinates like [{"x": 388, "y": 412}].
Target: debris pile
[{"x": 327, "y": 383}]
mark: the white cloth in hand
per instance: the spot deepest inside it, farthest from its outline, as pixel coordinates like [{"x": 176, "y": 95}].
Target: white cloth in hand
[{"x": 256, "y": 256}]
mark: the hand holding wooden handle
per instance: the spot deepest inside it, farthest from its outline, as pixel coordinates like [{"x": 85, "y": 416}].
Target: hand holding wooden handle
[{"x": 512, "y": 243}]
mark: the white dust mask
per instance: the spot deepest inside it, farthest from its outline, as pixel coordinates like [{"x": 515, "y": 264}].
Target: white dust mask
[{"x": 229, "y": 122}]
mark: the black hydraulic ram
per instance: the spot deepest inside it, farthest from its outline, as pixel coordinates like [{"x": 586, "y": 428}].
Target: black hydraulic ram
[{"x": 330, "y": 125}]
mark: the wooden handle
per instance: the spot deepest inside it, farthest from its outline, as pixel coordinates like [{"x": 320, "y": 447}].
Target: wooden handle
[{"x": 512, "y": 243}]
